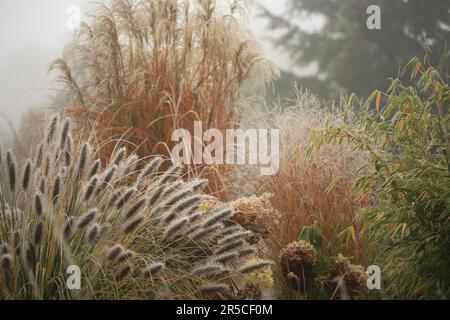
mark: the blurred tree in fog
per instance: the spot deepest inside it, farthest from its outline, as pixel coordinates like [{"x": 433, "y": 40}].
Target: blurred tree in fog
[{"x": 350, "y": 57}]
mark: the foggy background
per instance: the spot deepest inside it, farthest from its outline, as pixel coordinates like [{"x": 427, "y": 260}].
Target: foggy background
[{"x": 34, "y": 33}]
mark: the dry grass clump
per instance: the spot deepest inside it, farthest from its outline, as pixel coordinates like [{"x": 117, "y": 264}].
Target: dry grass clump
[
  {"x": 134, "y": 234},
  {"x": 141, "y": 69},
  {"x": 310, "y": 191},
  {"x": 297, "y": 261},
  {"x": 345, "y": 280}
]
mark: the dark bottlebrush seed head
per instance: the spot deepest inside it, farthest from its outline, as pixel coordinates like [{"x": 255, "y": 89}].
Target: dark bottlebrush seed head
[
  {"x": 6, "y": 262},
  {"x": 135, "y": 209},
  {"x": 231, "y": 246},
  {"x": 38, "y": 233},
  {"x": 119, "y": 156},
  {"x": 255, "y": 266},
  {"x": 38, "y": 205},
  {"x": 83, "y": 160},
  {"x": 123, "y": 273},
  {"x": 114, "y": 252},
  {"x": 218, "y": 217},
  {"x": 26, "y": 176},
  {"x": 47, "y": 166},
  {"x": 153, "y": 269},
  {"x": 56, "y": 190},
  {"x": 124, "y": 199},
  {"x": 150, "y": 168},
  {"x": 11, "y": 171},
  {"x": 125, "y": 256},
  {"x": 95, "y": 168},
  {"x": 64, "y": 133},
  {"x": 90, "y": 189},
  {"x": 86, "y": 219},
  {"x": 133, "y": 225},
  {"x": 93, "y": 234},
  {"x": 174, "y": 228}
]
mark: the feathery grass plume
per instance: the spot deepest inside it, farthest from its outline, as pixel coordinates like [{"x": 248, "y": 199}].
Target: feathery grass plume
[
  {"x": 153, "y": 269},
  {"x": 42, "y": 186},
  {"x": 6, "y": 262},
  {"x": 64, "y": 134},
  {"x": 26, "y": 176},
  {"x": 135, "y": 209},
  {"x": 120, "y": 155},
  {"x": 174, "y": 228},
  {"x": 93, "y": 233},
  {"x": 247, "y": 252},
  {"x": 198, "y": 234},
  {"x": 234, "y": 236},
  {"x": 11, "y": 164},
  {"x": 214, "y": 289},
  {"x": 171, "y": 173},
  {"x": 226, "y": 257},
  {"x": 149, "y": 169},
  {"x": 89, "y": 190},
  {"x": 108, "y": 177},
  {"x": 56, "y": 190},
  {"x": 255, "y": 266},
  {"x": 68, "y": 151},
  {"x": 87, "y": 218},
  {"x": 95, "y": 168},
  {"x": 207, "y": 269},
  {"x": 219, "y": 216},
  {"x": 47, "y": 167},
  {"x": 198, "y": 185},
  {"x": 44, "y": 246},
  {"x": 132, "y": 225},
  {"x": 114, "y": 252},
  {"x": 231, "y": 246},
  {"x": 84, "y": 155},
  {"x": 38, "y": 233},
  {"x": 127, "y": 255},
  {"x": 38, "y": 205},
  {"x": 52, "y": 129},
  {"x": 126, "y": 196},
  {"x": 130, "y": 165},
  {"x": 123, "y": 273}
]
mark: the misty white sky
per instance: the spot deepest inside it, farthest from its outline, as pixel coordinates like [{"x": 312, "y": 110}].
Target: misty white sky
[{"x": 33, "y": 33}]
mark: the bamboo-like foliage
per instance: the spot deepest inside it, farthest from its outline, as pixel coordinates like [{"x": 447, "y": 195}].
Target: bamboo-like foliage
[
  {"x": 134, "y": 234},
  {"x": 141, "y": 69}
]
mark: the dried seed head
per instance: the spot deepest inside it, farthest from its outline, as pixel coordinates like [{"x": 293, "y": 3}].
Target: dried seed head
[
  {"x": 82, "y": 160},
  {"x": 95, "y": 168},
  {"x": 132, "y": 226},
  {"x": 231, "y": 246},
  {"x": 203, "y": 232},
  {"x": 17, "y": 243},
  {"x": 90, "y": 189},
  {"x": 153, "y": 269},
  {"x": 11, "y": 171},
  {"x": 226, "y": 257},
  {"x": 64, "y": 133},
  {"x": 120, "y": 155},
  {"x": 255, "y": 266},
  {"x": 38, "y": 205},
  {"x": 68, "y": 227},
  {"x": 123, "y": 273},
  {"x": 174, "y": 228},
  {"x": 125, "y": 256},
  {"x": 47, "y": 166},
  {"x": 6, "y": 262},
  {"x": 114, "y": 252},
  {"x": 150, "y": 168},
  {"x": 40, "y": 155},
  {"x": 26, "y": 176},
  {"x": 30, "y": 255},
  {"x": 219, "y": 216},
  {"x": 86, "y": 219},
  {"x": 124, "y": 199},
  {"x": 247, "y": 252},
  {"x": 205, "y": 270},
  {"x": 93, "y": 233},
  {"x": 56, "y": 190},
  {"x": 4, "y": 249},
  {"x": 134, "y": 209}
]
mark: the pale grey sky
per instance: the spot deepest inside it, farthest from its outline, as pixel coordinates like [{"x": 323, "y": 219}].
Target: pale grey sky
[{"x": 33, "y": 33}]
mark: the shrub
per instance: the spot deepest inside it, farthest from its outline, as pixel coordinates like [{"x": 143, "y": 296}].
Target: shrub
[
  {"x": 134, "y": 233},
  {"x": 408, "y": 141}
]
